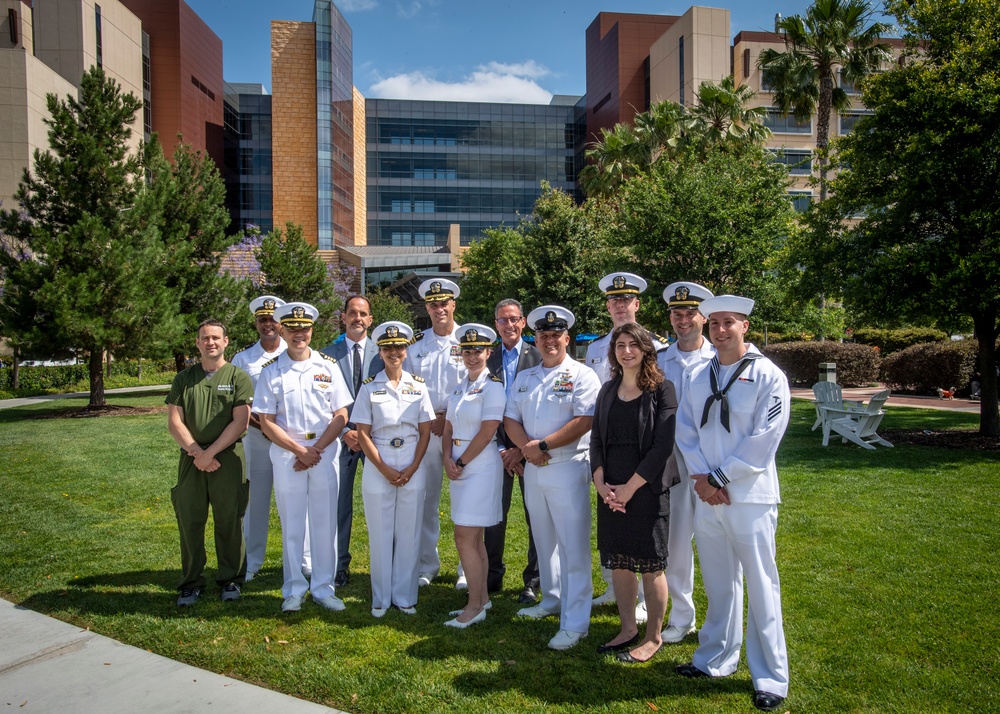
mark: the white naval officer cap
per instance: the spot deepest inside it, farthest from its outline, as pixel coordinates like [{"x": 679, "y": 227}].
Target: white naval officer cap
[
  {"x": 475, "y": 335},
  {"x": 615, "y": 284},
  {"x": 685, "y": 296},
  {"x": 726, "y": 303},
  {"x": 438, "y": 289},
  {"x": 392, "y": 333},
  {"x": 548, "y": 318},
  {"x": 265, "y": 305},
  {"x": 296, "y": 315}
]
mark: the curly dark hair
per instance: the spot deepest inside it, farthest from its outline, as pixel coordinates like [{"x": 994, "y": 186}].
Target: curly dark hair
[{"x": 650, "y": 377}]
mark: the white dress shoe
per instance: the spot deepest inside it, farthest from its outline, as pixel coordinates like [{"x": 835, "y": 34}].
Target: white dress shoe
[
  {"x": 291, "y": 604},
  {"x": 461, "y": 583},
  {"x": 565, "y": 639},
  {"x": 249, "y": 576},
  {"x": 487, "y": 606},
  {"x": 379, "y": 611},
  {"x": 607, "y": 598},
  {"x": 408, "y": 610},
  {"x": 640, "y": 612},
  {"x": 331, "y": 602},
  {"x": 675, "y": 634},
  {"x": 424, "y": 579},
  {"x": 537, "y": 612},
  {"x": 480, "y": 616}
]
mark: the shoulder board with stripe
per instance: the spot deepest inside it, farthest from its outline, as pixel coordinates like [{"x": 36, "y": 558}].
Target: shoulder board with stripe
[
  {"x": 244, "y": 349},
  {"x": 327, "y": 357},
  {"x": 659, "y": 338},
  {"x": 419, "y": 379},
  {"x": 370, "y": 379},
  {"x": 496, "y": 378},
  {"x": 270, "y": 361},
  {"x": 417, "y": 336}
]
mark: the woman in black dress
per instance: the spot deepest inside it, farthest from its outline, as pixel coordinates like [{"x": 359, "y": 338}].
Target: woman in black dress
[{"x": 631, "y": 440}]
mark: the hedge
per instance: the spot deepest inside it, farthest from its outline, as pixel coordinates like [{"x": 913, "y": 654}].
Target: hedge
[
  {"x": 926, "y": 368},
  {"x": 41, "y": 378},
  {"x": 857, "y": 365},
  {"x": 890, "y": 341}
]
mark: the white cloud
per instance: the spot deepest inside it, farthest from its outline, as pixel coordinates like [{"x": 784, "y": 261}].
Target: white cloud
[
  {"x": 492, "y": 82},
  {"x": 410, "y": 10},
  {"x": 355, "y": 5}
]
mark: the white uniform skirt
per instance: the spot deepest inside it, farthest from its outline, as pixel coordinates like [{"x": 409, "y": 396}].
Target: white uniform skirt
[{"x": 476, "y": 497}]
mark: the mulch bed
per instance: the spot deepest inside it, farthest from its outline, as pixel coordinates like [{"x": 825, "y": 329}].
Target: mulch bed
[
  {"x": 107, "y": 410},
  {"x": 949, "y": 439}
]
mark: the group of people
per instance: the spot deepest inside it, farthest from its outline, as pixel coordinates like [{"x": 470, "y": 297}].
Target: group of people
[{"x": 678, "y": 440}]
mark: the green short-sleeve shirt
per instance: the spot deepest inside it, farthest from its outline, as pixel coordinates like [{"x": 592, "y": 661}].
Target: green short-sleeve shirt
[{"x": 208, "y": 403}]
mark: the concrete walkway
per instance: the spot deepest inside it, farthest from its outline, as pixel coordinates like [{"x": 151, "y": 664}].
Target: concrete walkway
[
  {"x": 24, "y": 401},
  {"x": 967, "y": 406},
  {"x": 50, "y": 666}
]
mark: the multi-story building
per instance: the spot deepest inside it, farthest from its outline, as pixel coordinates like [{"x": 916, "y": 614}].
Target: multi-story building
[
  {"x": 432, "y": 165},
  {"x": 248, "y": 157},
  {"x": 45, "y": 48}
]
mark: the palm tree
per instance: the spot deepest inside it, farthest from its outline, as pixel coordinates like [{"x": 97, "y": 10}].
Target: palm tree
[
  {"x": 833, "y": 33},
  {"x": 722, "y": 115}
]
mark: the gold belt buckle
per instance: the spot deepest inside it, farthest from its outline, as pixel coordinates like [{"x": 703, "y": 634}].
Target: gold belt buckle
[
  {"x": 456, "y": 442},
  {"x": 310, "y": 434}
]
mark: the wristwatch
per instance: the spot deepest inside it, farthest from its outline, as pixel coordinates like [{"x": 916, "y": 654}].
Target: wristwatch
[
  {"x": 543, "y": 445},
  {"x": 460, "y": 463}
]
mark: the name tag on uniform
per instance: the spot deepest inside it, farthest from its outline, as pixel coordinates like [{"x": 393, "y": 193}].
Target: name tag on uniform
[
  {"x": 523, "y": 389},
  {"x": 596, "y": 360},
  {"x": 457, "y": 391},
  {"x": 225, "y": 388},
  {"x": 379, "y": 392}
]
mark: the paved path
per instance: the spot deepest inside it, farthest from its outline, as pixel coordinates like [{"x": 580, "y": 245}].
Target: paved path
[
  {"x": 903, "y": 400},
  {"x": 50, "y": 666},
  {"x": 23, "y": 401}
]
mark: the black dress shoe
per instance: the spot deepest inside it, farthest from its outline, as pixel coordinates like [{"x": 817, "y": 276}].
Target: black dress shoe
[
  {"x": 605, "y": 649},
  {"x": 341, "y": 578},
  {"x": 527, "y": 596},
  {"x": 629, "y": 659},
  {"x": 767, "y": 702},
  {"x": 689, "y": 670}
]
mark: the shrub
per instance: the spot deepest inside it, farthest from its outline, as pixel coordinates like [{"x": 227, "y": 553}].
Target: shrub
[
  {"x": 890, "y": 341},
  {"x": 773, "y": 338},
  {"x": 924, "y": 368},
  {"x": 857, "y": 365},
  {"x": 40, "y": 379}
]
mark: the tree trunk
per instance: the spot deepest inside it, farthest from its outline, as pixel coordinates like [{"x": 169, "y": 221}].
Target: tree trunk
[
  {"x": 16, "y": 383},
  {"x": 986, "y": 332},
  {"x": 178, "y": 362},
  {"x": 96, "y": 378},
  {"x": 823, "y": 129},
  {"x": 108, "y": 372},
  {"x": 138, "y": 371}
]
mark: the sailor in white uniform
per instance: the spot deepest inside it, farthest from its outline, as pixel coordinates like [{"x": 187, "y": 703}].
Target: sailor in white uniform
[
  {"x": 393, "y": 414},
  {"x": 622, "y": 291},
  {"x": 251, "y": 360},
  {"x": 473, "y": 465},
  {"x": 548, "y": 416},
  {"x": 732, "y": 417},
  {"x": 691, "y": 349},
  {"x": 302, "y": 401},
  {"x": 436, "y": 356}
]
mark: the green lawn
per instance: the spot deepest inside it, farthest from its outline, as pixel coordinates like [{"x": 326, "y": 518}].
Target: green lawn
[{"x": 888, "y": 562}]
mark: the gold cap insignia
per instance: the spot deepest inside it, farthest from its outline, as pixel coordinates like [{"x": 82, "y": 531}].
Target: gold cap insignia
[
  {"x": 550, "y": 316},
  {"x": 268, "y": 304},
  {"x": 392, "y": 331},
  {"x": 298, "y": 312},
  {"x": 682, "y": 293},
  {"x": 618, "y": 282},
  {"x": 435, "y": 288},
  {"x": 471, "y": 335}
]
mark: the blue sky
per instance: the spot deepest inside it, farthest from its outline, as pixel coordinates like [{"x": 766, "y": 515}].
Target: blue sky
[{"x": 504, "y": 50}]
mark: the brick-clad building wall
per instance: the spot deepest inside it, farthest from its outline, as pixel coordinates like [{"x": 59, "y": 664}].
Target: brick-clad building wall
[{"x": 293, "y": 110}]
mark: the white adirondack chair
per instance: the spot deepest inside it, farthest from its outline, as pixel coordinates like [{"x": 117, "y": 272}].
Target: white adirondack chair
[
  {"x": 828, "y": 394},
  {"x": 858, "y": 427}
]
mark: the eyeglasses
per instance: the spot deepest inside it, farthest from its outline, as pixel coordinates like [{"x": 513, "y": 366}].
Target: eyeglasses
[{"x": 509, "y": 320}]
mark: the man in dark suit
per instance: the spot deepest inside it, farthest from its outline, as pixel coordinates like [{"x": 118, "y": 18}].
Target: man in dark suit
[
  {"x": 513, "y": 356},
  {"x": 358, "y": 359}
]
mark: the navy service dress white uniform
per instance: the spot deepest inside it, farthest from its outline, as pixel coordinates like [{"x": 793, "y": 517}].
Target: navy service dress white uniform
[
  {"x": 543, "y": 400},
  {"x": 680, "y": 550},
  {"x": 259, "y": 472},
  {"x": 738, "y": 540},
  {"x": 393, "y": 513},
  {"x": 303, "y": 396},
  {"x": 615, "y": 284},
  {"x": 438, "y": 359},
  {"x": 477, "y": 496}
]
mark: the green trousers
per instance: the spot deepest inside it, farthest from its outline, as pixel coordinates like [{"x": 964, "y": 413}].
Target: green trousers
[{"x": 227, "y": 491}]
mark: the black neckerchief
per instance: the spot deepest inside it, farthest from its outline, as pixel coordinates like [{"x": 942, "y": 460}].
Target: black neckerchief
[{"x": 713, "y": 376}]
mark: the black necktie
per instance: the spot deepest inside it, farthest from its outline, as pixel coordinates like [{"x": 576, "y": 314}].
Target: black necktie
[
  {"x": 357, "y": 367},
  {"x": 720, "y": 395}
]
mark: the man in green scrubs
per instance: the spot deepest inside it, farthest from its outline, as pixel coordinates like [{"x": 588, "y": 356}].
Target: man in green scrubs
[{"x": 208, "y": 412}]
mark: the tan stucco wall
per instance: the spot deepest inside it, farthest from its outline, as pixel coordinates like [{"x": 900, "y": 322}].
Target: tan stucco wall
[
  {"x": 706, "y": 55},
  {"x": 293, "y": 137}
]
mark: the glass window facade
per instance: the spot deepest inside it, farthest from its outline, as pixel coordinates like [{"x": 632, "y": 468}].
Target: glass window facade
[
  {"x": 801, "y": 200},
  {"x": 798, "y": 161},
  {"x": 247, "y": 152},
  {"x": 433, "y": 164},
  {"x": 849, "y": 118},
  {"x": 334, "y": 126},
  {"x": 779, "y": 124}
]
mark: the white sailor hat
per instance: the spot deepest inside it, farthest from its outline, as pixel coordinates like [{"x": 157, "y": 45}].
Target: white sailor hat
[
  {"x": 392, "y": 333},
  {"x": 438, "y": 289},
  {"x": 726, "y": 303},
  {"x": 685, "y": 295},
  {"x": 265, "y": 305},
  {"x": 296, "y": 315},
  {"x": 550, "y": 317},
  {"x": 475, "y": 335},
  {"x": 615, "y": 284}
]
